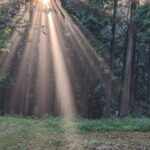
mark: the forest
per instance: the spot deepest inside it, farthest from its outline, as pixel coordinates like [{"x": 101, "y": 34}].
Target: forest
[{"x": 74, "y": 74}]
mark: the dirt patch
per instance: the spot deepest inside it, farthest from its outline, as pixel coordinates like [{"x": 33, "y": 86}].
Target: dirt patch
[
  {"x": 103, "y": 141},
  {"x": 117, "y": 141}
]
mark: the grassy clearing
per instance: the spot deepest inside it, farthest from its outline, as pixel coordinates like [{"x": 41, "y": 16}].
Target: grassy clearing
[
  {"x": 56, "y": 125},
  {"x": 19, "y": 133}
]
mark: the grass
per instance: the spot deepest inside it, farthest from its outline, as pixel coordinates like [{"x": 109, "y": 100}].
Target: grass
[
  {"x": 19, "y": 133},
  {"x": 115, "y": 124},
  {"x": 56, "y": 125}
]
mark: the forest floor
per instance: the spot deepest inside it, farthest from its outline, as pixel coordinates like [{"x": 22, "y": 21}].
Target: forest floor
[{"x": 19, "y": 133}]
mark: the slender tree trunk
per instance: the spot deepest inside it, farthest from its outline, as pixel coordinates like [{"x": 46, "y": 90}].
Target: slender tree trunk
[
  {"x": 126, "y": 85},
  {"x": 135, "y": 86},
  {"x": 123, "y": 69},
  {"x": 148, "y": 80},
  {"x": 133, "y": 74}
]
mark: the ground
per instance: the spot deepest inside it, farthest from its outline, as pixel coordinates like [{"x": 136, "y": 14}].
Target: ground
[{"x": 19, "y": 133}]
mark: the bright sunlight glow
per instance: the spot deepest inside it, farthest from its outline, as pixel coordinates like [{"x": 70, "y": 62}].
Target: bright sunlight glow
[{"x": 45, "y": 2}]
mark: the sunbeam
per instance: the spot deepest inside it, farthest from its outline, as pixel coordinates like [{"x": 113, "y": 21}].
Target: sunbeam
[
  {"x": 20, "y": 96},
  {"x": 64, "y": 90},
  {"x": 45, "y": 2},
  {"x": 63, "y": 87}
]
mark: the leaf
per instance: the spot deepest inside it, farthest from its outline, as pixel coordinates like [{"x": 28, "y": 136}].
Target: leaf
[{"x": 7, "y": 31}]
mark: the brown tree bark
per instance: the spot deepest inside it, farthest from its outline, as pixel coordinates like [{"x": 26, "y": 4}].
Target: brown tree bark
[
  {"x": 148, "y": 80},
  {"x": 126, "y": 84}
]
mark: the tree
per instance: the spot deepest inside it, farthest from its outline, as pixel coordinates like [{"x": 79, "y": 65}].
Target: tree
[{"x": 126, "y": 84}]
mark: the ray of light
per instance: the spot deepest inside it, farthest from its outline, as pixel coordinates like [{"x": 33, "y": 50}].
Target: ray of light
[
  {"x": 21, "y": 92},
  {"x": 45, "y": 2},
  {"x": 64, "y": 90},
  {"x": 45, "y": 91},
  {"x": 89, "y": 58}
]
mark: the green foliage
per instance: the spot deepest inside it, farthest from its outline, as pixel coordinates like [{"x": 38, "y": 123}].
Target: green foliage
[
  {"x": 5, "y": 80},
  {"x": 8, "y": 12},
  {"x": 96, "y": 21},
  {"x": 142, "y": 24},
  {"x": 54, "y": 124},
  {"x": 142, "y": 21},
  {"x": 100, "y": 26}
]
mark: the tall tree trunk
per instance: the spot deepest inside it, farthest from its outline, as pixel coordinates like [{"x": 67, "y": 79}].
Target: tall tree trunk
[
  {"x": 148, "y": 80},
  {"x": 126, "y": 85},
  {"x": 134, "y": 74},
  {"x": 134, "y": 89},
  {"x": 112, "y": 61},
  {"x": 124, "y": 60}
]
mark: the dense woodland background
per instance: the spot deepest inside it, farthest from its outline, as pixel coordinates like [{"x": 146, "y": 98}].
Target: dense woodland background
[{"x": 120, "y": 33}]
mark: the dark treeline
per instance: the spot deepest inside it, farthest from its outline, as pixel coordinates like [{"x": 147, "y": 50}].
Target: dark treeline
[{"x": 120, "y": 33}]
